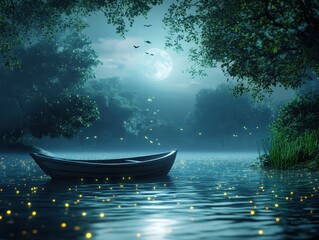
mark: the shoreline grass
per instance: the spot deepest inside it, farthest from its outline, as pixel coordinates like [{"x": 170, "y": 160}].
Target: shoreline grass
[{"x": 282, "y": 152}]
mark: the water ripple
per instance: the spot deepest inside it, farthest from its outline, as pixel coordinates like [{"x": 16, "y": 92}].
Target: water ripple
[{"x": 205, "y": 196}]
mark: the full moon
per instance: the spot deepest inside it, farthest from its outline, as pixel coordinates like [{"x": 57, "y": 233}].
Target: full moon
[{"x": 157, "y": 64}]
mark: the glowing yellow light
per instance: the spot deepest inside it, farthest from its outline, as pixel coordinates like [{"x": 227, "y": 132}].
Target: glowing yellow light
[
  {"x": 0, "y": 217},
  {"x": 34, "y": 231},
  {"x": 260, "y": 232},
  {"x": 119, "y": 206},
  {"x": 291, "y": 193},
  {"x": 88, "y": 235},
  {"x": 277, "y": 219},
  {"x": 138, "y": 235},
  {"x": 76, "y": 228},
  {"x": 17, "y": 191},
  {"x": 8, "y": 212},
  {"x": 149, "y": 198},
  {"x": 225, "y": 193},
  {"x": 29, "y": 204},
  {"x": 276, "y": 204},
  {"x": 63, "y": 225},
  {"x": 101, "y": 215},
  {"x": 66, "y": 205},
  {"x": 84, "y": 214},
  {"x": 53, "y": 200},
  {"x": 252, "y": 212},
  {"x": 34, "y": 213},
  {"x": 250, "y": 201}
]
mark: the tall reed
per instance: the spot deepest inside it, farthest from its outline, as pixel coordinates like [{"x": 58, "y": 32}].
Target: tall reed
[{"x": 283, "y": 152}]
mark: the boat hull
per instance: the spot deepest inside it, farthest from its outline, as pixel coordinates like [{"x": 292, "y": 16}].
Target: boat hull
[{"x": 143, "y": 166}]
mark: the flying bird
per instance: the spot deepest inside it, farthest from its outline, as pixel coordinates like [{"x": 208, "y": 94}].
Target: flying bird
[
  {"x": 136, "y": 46},
  {"x": 147, "y": 53},
  {"x": 147, "y": 25},
  {"x": 148, "y": 42}
]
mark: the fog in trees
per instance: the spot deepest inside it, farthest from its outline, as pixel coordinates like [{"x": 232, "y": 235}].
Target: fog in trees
[{"x": 76, "y": 83}]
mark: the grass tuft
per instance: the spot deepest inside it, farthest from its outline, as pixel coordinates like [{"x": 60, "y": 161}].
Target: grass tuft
[{"x": 282, "y": 152}]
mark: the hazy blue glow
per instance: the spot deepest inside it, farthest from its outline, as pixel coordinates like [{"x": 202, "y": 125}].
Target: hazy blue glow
[{"x": 120, "y": 58}]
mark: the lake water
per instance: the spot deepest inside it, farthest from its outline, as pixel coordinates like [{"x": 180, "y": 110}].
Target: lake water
[{"x": 205, "y": 196}]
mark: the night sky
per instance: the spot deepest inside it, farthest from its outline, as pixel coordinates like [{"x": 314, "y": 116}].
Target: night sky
[{"x": 165, "y": 70}]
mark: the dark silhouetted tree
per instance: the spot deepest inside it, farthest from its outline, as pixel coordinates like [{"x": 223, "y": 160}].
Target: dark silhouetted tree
[
  {"x": 124, "y": 116},
  {"x": 218, "y": 114},
  {"x": 51, "y": 74},
  {"x": 259, "y": 43},
  {"x": 22, "y": 21},
  {"x": 116, "y": 104},
  {"x": 298, "y": 116}
]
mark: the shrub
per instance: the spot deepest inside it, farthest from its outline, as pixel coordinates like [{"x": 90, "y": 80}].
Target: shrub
[
  {"x": 298, "y": 116},
  {"x": 295, "y": 134}
]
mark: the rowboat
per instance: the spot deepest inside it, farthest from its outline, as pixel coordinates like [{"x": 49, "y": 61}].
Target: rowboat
[{"x": 139, "y": 166}]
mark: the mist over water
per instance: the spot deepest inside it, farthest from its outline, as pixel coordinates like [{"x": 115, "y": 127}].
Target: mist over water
[{"x": 206, "y": 195}]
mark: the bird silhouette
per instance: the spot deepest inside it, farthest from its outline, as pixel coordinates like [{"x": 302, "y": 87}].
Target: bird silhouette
[
  {"x": 146, "y": 52},
  {"x": 147, "y": 25},
  {"x": 148, "y": 42},
  {"x": 136, "y": 46}
]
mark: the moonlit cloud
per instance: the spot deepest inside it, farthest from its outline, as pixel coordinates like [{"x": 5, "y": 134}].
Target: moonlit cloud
[
  {"x": 121, "y": 59},
  {"x": 118, "y": 57}
]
